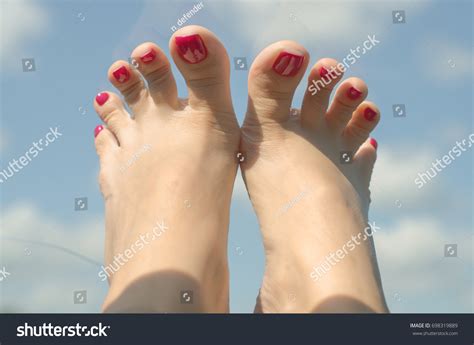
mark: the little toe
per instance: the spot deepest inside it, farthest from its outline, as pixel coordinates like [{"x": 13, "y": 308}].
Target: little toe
[
  {"x": 365, "y": 158},
  {"x": 105, "y": 141},
  {"x": 111, "y": 110}
]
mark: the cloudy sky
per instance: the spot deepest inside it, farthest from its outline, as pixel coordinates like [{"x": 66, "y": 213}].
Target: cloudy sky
[{"x": 426, "y": 64}]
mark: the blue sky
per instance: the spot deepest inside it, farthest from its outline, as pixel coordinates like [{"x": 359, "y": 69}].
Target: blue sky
[{"x": 426, "y": 64}]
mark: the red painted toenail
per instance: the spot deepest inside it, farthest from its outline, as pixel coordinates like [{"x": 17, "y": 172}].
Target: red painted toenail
[
  {"x": 324, "y": 73},
  {"x": 369, "y": 114},
  {"x": 149, "y": 56},
  {"x": 97, "y": 130},
  {"x": 288, "y": 64},
  {"x": 121, "y": 74},
  {"x": 191, "y": 48},
  {"x": 373, "y": 142},
  {"x": 101, "y": 98},
  {"x": 353, "y": 93}
]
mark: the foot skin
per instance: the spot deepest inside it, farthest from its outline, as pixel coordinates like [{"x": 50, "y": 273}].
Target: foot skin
[
  {"x": 308, "y": 204},
  {"x": 166, "y": 174}
]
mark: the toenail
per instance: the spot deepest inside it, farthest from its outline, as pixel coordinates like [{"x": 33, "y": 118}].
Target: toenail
[
  {"x": 324, "y": 74},
  {"x": 101, "y": 98},
  {"x": 288, "y": 64},
  {"x": 353, "y": 93},
  {"x": 369, "y": 114},
  {"x": 373, "y": 142},
  {"x": 191, "y": 48},
  {"x": 121, "y": 74},
  {"x": 149, "y": 56},
  {"x": 97, "y": 130}
]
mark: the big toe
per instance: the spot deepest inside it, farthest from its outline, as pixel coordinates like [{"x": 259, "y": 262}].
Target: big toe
[
  {"x": 273, "y": 79},
  {"x": 204, "y": 64}
]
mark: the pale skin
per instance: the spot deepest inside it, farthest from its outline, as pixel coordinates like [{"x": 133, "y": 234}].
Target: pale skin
[{"x": 185, "y": 178}]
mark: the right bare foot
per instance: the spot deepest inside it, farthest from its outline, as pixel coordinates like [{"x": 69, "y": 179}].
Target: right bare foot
[
  {"x": 167, "y": 176},
  {"x": 309, "y": 205}
]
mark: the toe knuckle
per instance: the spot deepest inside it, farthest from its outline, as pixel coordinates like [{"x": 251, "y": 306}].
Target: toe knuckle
[
  {"x": 109, "y": 114},
  {"x": 158, "y": 76},
  {"x": 357, "y": 131},
  {"x": 205, "y": 82}
]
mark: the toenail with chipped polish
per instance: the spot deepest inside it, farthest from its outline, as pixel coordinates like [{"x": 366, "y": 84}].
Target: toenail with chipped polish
[
  {"x": 373, "y": 142},
  {"x": 97, "y": 130},
  {"x": 353, "y": 93},
  {"x": 369, "y": 114},
  {"x": 288, "y": 64},
  {"x": 148, "y": 57},
  {"x": 101, "y": 98},
  {"x": 191, "y": 48},
  {"x": 121, "y": 74}
]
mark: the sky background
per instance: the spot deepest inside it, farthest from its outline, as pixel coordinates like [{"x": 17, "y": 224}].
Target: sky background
[{"x": 51, "y": 250}]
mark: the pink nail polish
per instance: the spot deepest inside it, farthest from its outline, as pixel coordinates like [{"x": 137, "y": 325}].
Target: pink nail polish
[
  {"x": 373, "y": 142},
  {"x": 353, "y": 93},
  {"x": 97, "y": 130},
  {"x": 369, "y": 114},
  {"x": 101, "y": 98},
  {"x": 149, "y": 56},
  {"x": 191, "y": 48},
  {"x": 288, "y": 64},
  {"x": 121, "y": 74}
]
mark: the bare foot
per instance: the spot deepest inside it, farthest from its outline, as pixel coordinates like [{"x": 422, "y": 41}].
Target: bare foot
[
  {"x": 166, "y": 174},
  {"x": 309, "y": 204}
]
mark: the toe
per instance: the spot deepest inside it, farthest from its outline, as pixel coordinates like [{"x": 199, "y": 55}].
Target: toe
[
  {"x": 130, "y": 84},
  {"x": 365, "y": 159},
  {"x": 105, "y": 141},
  {"x": 348, "y": 97},
  {"x": 273, "y": 78},
  {"x": 111, "y": 110},
  {"x": 204, "y": 64},
  {"x": 324, "y": 75},
  {"x": 153, "y": 64},
  {"x": 363, "y": 121}
]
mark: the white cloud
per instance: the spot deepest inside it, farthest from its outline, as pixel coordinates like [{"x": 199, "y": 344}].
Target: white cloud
[
  {"x": 334, "y": 23},
  {"x": 414, "y": 268},
  {"x": 40, "y": 254},
  {"x": 337, "y": 25},
  {"x": 444, "y": 60},
  {"x": 394, "y": 176},
  {"x": 21, "y": 23}
]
